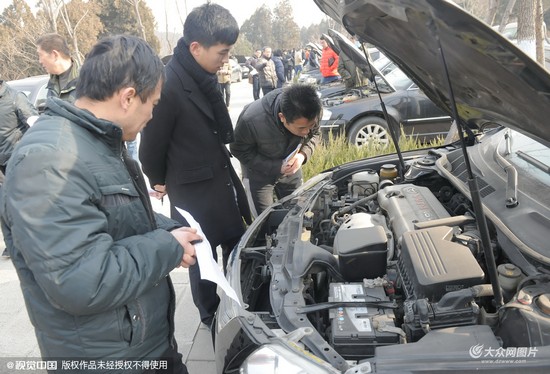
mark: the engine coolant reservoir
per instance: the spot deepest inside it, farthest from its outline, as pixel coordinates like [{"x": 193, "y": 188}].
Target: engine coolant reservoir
[{"x": 364, "y": 183}]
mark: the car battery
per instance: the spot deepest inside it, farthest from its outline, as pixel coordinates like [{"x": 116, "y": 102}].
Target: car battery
[{"x": 357, "y": 330}]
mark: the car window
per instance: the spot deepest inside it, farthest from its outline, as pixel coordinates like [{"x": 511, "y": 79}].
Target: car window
[{"x": 398, "y": 79}]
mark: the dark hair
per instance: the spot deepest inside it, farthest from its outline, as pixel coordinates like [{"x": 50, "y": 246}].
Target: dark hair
[
  {"x": 118, "y": 62},
  {"x": 300, "y": 100},
  {"x": 210, "y": 24},
  {"x": 50, "y": 42}
]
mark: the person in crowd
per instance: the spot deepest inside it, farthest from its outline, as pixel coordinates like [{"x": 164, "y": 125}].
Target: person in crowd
[
  {"x": 274, "y": 137},
  {"x": 55, "y": 57},
  {"x": 183, "y": 150},
  {"x": 15, "y": 112},
  {"x": 298, "y": 61},
  {"x": 311, "y": 59},
  {"x": 288, "y": 63},
  {"x": 92, "y": 257},
  {"x": 224, "y": 80},
  {"x": 251, "y": 64},
  {"x": 279, "y": 67},
  {"x": 267, "y": 72},
  {"x": 329, "y": 63},
  {"x": 350, "y": 73}
]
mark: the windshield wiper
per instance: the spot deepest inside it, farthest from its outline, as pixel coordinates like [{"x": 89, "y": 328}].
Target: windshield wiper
[
  {"x": 533, "y": 161},
  {"x": 511, "y": 172}
]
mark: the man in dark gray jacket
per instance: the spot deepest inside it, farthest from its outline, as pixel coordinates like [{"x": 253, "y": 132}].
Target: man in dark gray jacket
[
  {"x": 92, "y": 257},
  {"x": 15, "y": 110},
  {"x": 274, "y": 136}
]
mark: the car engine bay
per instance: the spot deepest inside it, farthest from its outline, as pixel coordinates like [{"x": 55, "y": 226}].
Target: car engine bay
[{"x": 369, "y": 261}]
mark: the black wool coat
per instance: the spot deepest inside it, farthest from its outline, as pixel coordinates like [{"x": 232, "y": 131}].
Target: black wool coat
[{"x": 181, "y": 148}]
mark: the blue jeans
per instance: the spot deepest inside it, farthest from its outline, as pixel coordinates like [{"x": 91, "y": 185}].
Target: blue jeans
[{"x": 330, "y": 79}]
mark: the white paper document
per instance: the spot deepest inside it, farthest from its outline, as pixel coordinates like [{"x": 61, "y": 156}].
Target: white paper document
[
  {"x": 292, "y": 154},
  {"x": 209, "y": 268}
]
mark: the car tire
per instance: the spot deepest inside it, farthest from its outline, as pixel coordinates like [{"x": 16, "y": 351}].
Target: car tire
[{"x": 367, "y": 130}]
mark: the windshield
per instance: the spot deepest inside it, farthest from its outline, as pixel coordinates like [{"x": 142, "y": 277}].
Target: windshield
[{"x": 394, "y": 76}]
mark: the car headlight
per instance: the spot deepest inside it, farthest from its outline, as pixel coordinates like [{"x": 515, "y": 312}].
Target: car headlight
[
  {"x": 326, "y": 114},
  {"x": 275, "y": 358}
]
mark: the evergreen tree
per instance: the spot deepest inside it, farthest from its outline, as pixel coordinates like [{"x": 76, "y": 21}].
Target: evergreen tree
[
  {"x": 258, "y": 28},
  {"x": 285, "y": 30},
  {"x": 119, "y": 17}
]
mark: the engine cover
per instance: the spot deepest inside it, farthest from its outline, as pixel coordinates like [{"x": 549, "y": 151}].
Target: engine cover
[
  {"x": 407, "y": 204},
  {"x": 432, "y": 265}
]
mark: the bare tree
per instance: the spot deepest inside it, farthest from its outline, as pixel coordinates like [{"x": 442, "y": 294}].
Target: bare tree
[
  {"x": 506, "y": 15},
  {"x": 179, "y": 13},
  {"x": 135, "y": 3},
  {"x": 72, "y": 30},
  {"x": 51, "y": 9},
  {"x": 492, "y": 12},
  {"x": 526, "y": 27},
  {"x": 540, "y": 31}
]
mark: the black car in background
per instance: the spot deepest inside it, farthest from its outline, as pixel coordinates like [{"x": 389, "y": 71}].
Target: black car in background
[
  {"x": 358, "y": 114},
  {"x": 35, "y": 89},
  {"x": 433, "y": 260}
]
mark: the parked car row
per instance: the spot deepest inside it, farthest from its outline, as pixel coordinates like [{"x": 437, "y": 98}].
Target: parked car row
[{"x": 358, "y": 113}]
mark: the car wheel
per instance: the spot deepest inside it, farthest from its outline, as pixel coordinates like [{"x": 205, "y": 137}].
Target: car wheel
[{"x": 373, "y": 130}]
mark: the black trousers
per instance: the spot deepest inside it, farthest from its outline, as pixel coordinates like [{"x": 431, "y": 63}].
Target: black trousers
[
  {"x": 204, "y": 292},
  {"x": 256, "y": 86},
  {"x": 225, "y": 89}
]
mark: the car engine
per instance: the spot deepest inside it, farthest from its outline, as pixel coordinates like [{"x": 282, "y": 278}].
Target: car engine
[{"x": 371, "y": 260}]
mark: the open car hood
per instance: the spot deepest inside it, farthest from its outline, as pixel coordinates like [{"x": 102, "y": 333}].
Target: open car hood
[
  {"x": 367, "y": 68},
  {"x": 492, "y": 80}
]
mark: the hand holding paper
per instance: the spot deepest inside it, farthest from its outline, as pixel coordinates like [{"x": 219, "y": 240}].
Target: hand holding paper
[
  {"x": 293, "y": 164},
  {"x": 208, "y": 266},
  {"x": 186, "y": 236}
]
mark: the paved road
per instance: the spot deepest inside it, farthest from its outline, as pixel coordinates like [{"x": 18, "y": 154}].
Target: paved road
[{"x": 17, "y": 339}]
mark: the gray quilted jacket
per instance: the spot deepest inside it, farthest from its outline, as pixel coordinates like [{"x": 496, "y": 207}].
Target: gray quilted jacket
[{"x": 92, "y": 257}]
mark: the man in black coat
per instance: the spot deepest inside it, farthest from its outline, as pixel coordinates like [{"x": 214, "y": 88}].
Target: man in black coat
[
  {"x": 274, "y": 136},
  {"x": 183, "y": 151}
]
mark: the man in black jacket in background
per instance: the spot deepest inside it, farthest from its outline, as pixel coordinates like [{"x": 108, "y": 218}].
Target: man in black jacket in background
[{"x": 274, "y": 136}]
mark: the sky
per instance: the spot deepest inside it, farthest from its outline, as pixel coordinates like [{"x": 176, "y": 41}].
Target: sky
[{"x": 305, "y": 11}]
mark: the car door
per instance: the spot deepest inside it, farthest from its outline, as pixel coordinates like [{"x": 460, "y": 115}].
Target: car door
[{"x": 424, "y": 119}]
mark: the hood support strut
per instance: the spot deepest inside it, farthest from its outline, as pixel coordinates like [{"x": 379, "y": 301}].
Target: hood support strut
[
  {"x": 392, "y": 125},
  {"x": 472, "y": 184}
]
